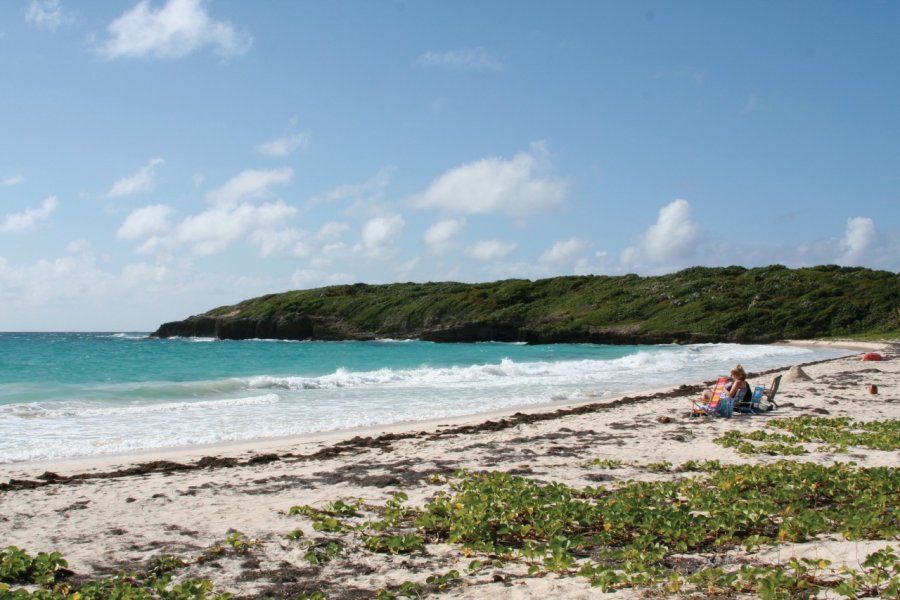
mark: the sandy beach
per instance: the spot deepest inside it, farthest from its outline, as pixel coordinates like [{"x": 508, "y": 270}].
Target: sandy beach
[{"x": 224, "y": 512}]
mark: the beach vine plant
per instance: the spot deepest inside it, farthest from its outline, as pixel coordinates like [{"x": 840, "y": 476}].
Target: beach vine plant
[
  {"x": 832, "y": 435},
  {"x": 46, "y": 573},
  {"x": 627, "y": 535},
  {"x": 630, "y": 534}
]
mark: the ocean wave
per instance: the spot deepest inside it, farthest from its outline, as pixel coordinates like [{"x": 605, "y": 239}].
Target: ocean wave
[
  {"x": 129, "y": 336},
  {"x": 93, "y": 409},
  {"x": 650, "y": 366}
]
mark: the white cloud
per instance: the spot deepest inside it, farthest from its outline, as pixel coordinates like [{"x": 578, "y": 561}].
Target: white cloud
[
  {"x": 600, "y": 263},
  {"x": 229, "y": 219},
  {"x": 362, "y": 196},
  {"x": 145, "y": 222},
  {"x": 10, "y": 181},
  {"x": 310, "y": 278},
  {"x": 142, "y": 181},
  {"x": 78, "y": 247},
  {"x": 172, "y": 31},
  {"x": 564, "y": 251},
  {"x": 331, "y": 253},
  {"x": 439, "y": 236},
  {"x": 668, "y": 242},
  {"x": 489, "y": 250},
  {"x": 213, "y": 230},
  {"x": 494, "y": 185},
  {"x": 28, "y": 218},
  {"x": 379, "y": 232},
  {"x": 47, "y": 14},
  {"x": 464, "y": 60},
  {"x": 283, "y": 146},
  {"x": 249, "y": 184},
  {"x": 332, "y": 230},
  {"x": 273, "y": 241},
  {"x": 858, "y": 238}
]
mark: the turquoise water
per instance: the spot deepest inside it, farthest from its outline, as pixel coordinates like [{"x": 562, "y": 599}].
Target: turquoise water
[{"x": 79, "y": 394}]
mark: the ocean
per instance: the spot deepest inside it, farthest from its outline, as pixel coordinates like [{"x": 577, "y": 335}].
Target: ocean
[{"x": 68, "y": 395}]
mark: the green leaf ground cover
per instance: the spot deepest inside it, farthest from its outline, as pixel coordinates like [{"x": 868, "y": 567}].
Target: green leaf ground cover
[
  {"x": 647, "y": 534},
  {"x": 630, "y": 534},
  {"x": 833, "y": 435}
]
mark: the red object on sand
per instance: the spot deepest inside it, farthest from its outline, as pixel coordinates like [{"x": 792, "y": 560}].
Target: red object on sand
[{"x": 872, "y": 356}]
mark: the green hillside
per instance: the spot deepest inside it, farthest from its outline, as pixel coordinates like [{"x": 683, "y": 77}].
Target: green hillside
[{"x": 696, "y": 304}]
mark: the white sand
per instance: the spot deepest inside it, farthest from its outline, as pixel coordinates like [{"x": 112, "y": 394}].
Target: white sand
[{"x": 105, "y": 524}]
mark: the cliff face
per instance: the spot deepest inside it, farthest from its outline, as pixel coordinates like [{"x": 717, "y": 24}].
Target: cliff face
[{"x": 695, "y": 305}]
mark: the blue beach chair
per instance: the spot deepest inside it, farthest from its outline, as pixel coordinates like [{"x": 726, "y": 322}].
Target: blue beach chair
[
  {"x": 751, "y": 404},
  {"x": 727, "y": 404}
]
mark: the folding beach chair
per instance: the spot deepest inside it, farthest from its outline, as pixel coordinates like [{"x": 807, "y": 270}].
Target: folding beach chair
[
  {"x": 727, "y": 403},
  {"x": 751, "y": 404},
  {"x": 709, "y": 410},
  {"x": 773, "y": 389}
]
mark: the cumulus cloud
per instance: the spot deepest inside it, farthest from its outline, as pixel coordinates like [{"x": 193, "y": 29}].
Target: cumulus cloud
[
  {"x": 332, "y": 230},
  {"x": 378, "y": 233},
  {"x": 28, "y": 218},
  {"x": 9, "y": 181},
  {"x": 47, "y": 14},
  {"x": 145, "y": 222},
  {"x": 311, "y": 278},
  {"x": 463, "y": 60},
  {"x": 494, "y": 185},
  {"x": 439, "y": 236},
  {"x": 271, "y": 242},
  {"x": 213, "y": 230},
  {"x": 251, "y": 183},
  {"x": 489, "y": 250},
  {"x": 668, "y": 242},
  {"x": 363, "y": 196},
  {"x": 172, "y": 31},
  {"x": 858, "y": 238},
  {"x": 564, "y": 251},
  {"x": 331, "y": 253},
  {"x": 283, "y": 146},
  {"x": 142, "y": 181},
  {"x": 231, "y": 217}
]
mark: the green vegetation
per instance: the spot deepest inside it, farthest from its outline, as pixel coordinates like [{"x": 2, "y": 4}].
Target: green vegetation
[
  {"x": 44, "y": 571},
  {"x": 658, "y": 536},
  {"x": 632, "y": 532},
  {"x": 835, "y": 435},
  {"x": 603, "y": 463},
  {"x": 696, "y": 304}
]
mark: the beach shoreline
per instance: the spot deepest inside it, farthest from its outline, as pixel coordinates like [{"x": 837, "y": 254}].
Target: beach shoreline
[
  {"x": 236, "y": 449},
  {"x": 123, "y": 512}
]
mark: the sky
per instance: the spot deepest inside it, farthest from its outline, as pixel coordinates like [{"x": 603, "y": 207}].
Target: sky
[{"x": 165, "y": 157}]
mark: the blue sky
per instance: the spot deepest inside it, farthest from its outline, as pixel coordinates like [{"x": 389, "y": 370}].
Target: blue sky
[{"x": 164, "y": 157}]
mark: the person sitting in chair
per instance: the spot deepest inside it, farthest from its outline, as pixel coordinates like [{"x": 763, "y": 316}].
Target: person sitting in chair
[{"x": 738, "y": 381}]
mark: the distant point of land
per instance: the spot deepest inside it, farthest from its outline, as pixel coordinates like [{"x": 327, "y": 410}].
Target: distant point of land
[{"x": 695, "y": 305}]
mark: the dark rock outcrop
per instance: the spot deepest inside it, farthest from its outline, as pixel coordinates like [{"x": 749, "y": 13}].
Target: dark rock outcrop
[
  {"x": 304, "y": 327},
  {"x": 288, "y": 327}
]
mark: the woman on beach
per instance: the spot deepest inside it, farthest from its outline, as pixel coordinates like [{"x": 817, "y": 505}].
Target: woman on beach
[{"x": 738, "y": 381}]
